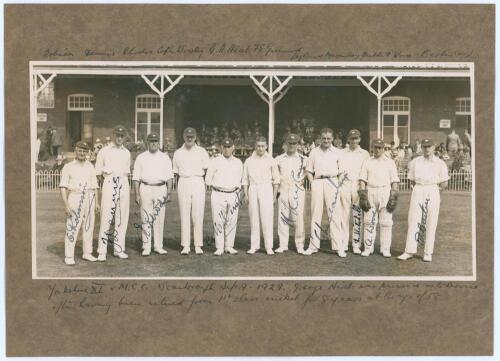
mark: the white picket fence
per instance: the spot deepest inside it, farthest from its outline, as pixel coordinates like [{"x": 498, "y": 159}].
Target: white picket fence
[{"x": 460, "y": 181}]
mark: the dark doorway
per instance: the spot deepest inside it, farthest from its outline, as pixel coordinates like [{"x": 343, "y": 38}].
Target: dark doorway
[
  {"x": 79, "y": 127},
  {"x": 74, "y": 128}
]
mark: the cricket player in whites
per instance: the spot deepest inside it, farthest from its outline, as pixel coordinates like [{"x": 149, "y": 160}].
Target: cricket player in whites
[
  {"x": 378, "y": 186},
  {"x": 429, "y": 176},
  {"x": 323, "y": 170},
  {"x": 152, "y": 178},
  {"x": 113, "y": 168},
  {"x": 224, "y": 179},
  {"x": 351, "y": 160},
  {"x": 260, "y": 184},
  {"x": 190, "y": 163},
  {"x": 292, "y": 168},
  {"x": 79, "y": 191}
]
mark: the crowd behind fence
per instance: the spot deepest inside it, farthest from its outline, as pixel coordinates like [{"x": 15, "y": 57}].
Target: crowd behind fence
[{"x": 460, "y": 181}]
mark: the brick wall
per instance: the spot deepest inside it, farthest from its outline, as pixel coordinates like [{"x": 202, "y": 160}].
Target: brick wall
[{"x": 430, "y": 101}]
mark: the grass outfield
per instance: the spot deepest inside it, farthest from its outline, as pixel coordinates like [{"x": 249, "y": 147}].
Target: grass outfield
[{"x": 452, "y": 252}]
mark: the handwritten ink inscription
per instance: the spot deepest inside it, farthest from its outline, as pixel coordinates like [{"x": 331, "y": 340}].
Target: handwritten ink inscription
[
  {"x": 356, "y": 220},
  {"x": 107, "y": 299},
  {"x": 226, "y": 220},
  {"x": 421, "y": 226},
  {"x": 337, "y": 185},
  {"x": 149, "y": 218},
  {"x": 263, "y": 50},
  {"x": 291, "y": 202},
  {"x": 370, "y": 228},
  {"x": 114, "y": 220}
]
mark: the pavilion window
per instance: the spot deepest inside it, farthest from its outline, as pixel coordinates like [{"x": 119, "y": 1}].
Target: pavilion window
[
  {"x": 396, "y": 119},
  {"x": 147, "y": 116},
  {"x": 80, "y": 102},
  {"x": 463, "y": 113},
  {"x": 46, "y": 97}
]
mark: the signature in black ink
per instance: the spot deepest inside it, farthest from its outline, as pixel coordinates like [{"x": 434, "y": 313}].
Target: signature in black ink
[
  {"x": 292, "y": 203},
  {"x": 356, "y": 215},
  {"x": 111, "y": 234},
  {"x": 421, "y": 226},
  {"x": 90, "y": 208},
  {"x": 55, "y": 53},
  {"x": 318, "y": 229},
  {"x": 149, "y": 219},
  {"x": 370, "y": 228},
  {"x": 226, "y": 216},
  {"x": 337, "y": 187},
  {"x": 72, "y": 224}
]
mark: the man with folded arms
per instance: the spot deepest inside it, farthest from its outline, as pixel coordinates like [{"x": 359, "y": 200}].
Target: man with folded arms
[
  {"x": 113, "y": 168},
  {"x": 152, "y": 184},
  {"x": 224, "y": 179},
  {"x": 79, "y": 191},
  {"x": 323, "y": 170},
  {"x": 190, "y": 163},
  {"x": 292, "y": 167},
  {"x": 429, "y": 176},
  {"x": 260, "y": 183}
]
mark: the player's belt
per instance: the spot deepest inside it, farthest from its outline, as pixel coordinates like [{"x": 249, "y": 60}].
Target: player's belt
[
  {"x": 80, "y": 191},
  {"x": 326, "y": 177},
  {"x": 112, "y": 175},
  {"x": 381, "y": 186},
  {"x": 224, "y": 191},
  {"x": 154, "y": 184}
]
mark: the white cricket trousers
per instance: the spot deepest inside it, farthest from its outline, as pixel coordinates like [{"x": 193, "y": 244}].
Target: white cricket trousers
[
  {"x": 114, "y": 213},
  {"x": 378, "y": 198},
  {"x": 82, "y": 206},
  {"x": 153, "y": 202},
  {"x": 291, "y": 214},
  {"x": 326, "y": 192},
  {"x": 191, "y": 192},
  {"x": 351, "y": 211},
  {"x": 423, "y": 218},
  {"x": 225, "y": 208},
  {"x": 261, "y": 211}
]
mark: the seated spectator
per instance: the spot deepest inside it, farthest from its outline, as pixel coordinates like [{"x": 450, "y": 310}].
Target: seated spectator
[
  {"x": 56, "y": 141},
  {"x": 467, "y": 141},
  {"x": 418, "y": 147},
  {"x": 236, "y": 132},
  {"x": 447, "y": 159},
  {"x": 337, "y": 142},
  {"x": 387, "y": 151},
  {"x": 59, "y": 164},
  {"x": 396, "y": 157},
  {"x": 406, "y": 158},
  {"x": 410, "y": 151},
  {"x": 467, "y": 157},
  {"x": 459, "y": 160},
  {"x": 401, "y": 150}
]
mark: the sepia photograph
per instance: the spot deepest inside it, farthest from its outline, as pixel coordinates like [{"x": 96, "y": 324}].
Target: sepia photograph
[
  {"x": 208, "y": 179},
  {"x": 252, "y": 170}
]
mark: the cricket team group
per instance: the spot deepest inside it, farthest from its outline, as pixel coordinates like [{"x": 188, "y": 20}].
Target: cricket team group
[{"x": 355, "y": 190}]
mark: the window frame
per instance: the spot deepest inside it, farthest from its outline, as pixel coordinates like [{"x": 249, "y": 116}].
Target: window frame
[
  {"x": 50, "y": 104},
  {"x": 80, "y": 108},
  {"x": 146, "y": 110},
  {"x": 457, "y": 102},
  {"x": 396, "y": 113},
  {"x": 467, "y": 114}
]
